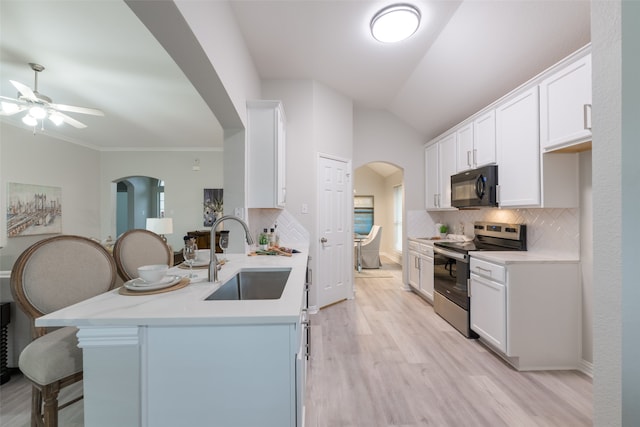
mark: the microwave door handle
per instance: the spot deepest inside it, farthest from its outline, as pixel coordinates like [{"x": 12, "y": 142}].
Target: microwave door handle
[{"x": 480, "y": 187}]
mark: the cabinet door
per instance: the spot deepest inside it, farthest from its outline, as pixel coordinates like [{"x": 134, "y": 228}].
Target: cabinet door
[
  {"x": 426, "y": 276},
  {"x": 518, "y": 149},
  {"x": 281, "y": 160},
  {"x": 464, "y": 150},
  {"x": 447, "y": 164},
  {"x": 484, "y": 133},
  {"x": 432, "y": 177},
  {"x": 565, "y": 106},
  {"x": 489, "y": 311},
  {"x": 414, "y": 270}
]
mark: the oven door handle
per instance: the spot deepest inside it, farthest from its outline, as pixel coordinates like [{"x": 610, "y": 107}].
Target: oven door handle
[{"x": 450, "y": 254}]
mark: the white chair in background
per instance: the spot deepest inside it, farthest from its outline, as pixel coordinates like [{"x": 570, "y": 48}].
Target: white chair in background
[{"x": 370, "y": 248}]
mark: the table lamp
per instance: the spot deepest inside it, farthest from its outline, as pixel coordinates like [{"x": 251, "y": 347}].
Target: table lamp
[{"x": 160, "y": 226}]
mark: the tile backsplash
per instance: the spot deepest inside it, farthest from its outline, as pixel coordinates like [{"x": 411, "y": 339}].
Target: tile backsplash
[
  {"x": 554, "y": 230},
  {"x": 290, "y": 230}
]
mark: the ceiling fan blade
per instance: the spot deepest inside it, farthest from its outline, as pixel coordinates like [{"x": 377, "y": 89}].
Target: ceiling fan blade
[
  {"x": 81, "y": 110},
  {"x": 11, "y": 106},
  {"x": 71, "y": 121},
  {"x": 24, "y": 90}
]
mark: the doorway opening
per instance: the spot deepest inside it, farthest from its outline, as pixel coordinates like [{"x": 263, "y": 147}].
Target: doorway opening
[
  {"x": 383, "y": 184},
  {"x": 138, "y": 198}
]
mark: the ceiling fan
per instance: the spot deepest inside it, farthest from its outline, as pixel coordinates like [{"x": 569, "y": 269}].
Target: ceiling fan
[{"x": 39, "y": 106}]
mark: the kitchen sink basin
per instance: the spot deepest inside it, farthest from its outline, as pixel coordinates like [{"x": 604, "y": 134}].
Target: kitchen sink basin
[{"x": 253, "y": 284}]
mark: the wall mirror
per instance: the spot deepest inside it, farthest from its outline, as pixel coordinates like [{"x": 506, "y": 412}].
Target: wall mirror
[{"x": 138, "y": 198}]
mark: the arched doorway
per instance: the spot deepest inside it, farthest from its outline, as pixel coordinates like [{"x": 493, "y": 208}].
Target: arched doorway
[
  {"x": 381, "y": 185},
  {"x": 138, "y": 198}
]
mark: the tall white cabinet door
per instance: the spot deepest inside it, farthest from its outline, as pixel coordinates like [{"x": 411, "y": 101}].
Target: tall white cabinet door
[
  {"x": 447, "y": 168},
  {"x": 464, "y": 151},
  {"x": 484, "y": 133},
  {"x": 489, "y": 311},
  {"x": 565, "y": 105},
  {"x": 518, "y": 150},
  {"x": 432, "y": 177}
]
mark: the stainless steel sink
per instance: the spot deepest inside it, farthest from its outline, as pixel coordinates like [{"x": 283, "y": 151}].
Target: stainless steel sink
[{"x": 253, "y": 284}]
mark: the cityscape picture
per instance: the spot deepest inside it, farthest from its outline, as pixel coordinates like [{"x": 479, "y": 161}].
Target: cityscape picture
[{"x": 33, "y": 209}]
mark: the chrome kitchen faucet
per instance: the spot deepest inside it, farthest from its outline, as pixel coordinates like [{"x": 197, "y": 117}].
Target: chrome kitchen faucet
[{"x": 213, "y": 264}]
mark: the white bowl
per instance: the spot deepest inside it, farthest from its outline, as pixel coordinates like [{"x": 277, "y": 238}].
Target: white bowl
[
  {"x": 152, "y": 273},
  {"x": 203, "y": 255}
]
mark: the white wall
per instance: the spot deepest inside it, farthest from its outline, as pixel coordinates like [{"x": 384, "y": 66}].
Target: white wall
[
  {"x": 183, "y": 187},
  {"x": 586, "y": 254},
  {"x": 607, "y": 59}
]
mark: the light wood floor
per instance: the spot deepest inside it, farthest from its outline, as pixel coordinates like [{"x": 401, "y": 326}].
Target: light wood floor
[{"x": 386, "y": 359}]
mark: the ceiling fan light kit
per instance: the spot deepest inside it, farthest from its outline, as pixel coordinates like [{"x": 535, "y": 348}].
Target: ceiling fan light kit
[
  {"x": 40, "y": 107},
  {"x": 395, "y": 23}
]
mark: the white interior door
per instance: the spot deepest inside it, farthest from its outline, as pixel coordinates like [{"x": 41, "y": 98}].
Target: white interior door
[{"x": 335, "y": 247}]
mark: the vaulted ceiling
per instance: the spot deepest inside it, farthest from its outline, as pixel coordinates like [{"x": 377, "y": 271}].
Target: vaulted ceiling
[{"x": 464, "y": 56}]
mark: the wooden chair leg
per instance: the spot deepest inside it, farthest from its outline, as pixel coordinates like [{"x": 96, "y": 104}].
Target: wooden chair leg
[
  {"x": 36, "y": 407},
  {"x": 50, "y": 396}
]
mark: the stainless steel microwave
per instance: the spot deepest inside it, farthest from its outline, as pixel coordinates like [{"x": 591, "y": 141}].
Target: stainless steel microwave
[{"x": 475, "y": 188}]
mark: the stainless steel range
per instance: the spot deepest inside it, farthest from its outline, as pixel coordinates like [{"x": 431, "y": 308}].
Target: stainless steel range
[{"x": 451, "y": 268}]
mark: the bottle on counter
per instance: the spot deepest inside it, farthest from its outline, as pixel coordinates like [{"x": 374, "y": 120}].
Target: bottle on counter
[{"x": 272, "y": 237}]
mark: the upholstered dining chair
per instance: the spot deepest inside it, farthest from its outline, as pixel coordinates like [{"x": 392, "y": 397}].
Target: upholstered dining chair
[
  {"x": 49, "y": 275},
  {"x": 139, "y": 247},
  {"x": 370, "y": 248}
]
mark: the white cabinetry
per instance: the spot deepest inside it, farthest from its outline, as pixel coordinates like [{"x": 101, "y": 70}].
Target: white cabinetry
[
  {"x": 476, "y": 142},
  {"x": 528, "y": 312},
  {"x": 565, "y": 106},
  {"x": 518, "y": 150},
  {"x": 440, "y": 164},
  {"x": 266, "y": 164},
  {"x": 421, "y": 269}
]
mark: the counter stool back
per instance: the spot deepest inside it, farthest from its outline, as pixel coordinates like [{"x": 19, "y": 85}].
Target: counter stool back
[
  {"x": 138, "y": 247},
  {"x": 49, "y": 275}
]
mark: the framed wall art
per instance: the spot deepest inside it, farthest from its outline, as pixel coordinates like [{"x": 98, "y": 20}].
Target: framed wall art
[
  {"x": 213, "y": 205},
  {"x": 33, "y": 209}
]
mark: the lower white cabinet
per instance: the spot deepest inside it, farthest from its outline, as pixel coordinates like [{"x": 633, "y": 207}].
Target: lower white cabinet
[
  {"x": 528, "y": 312},
  {"x": 421, "y": 269}
]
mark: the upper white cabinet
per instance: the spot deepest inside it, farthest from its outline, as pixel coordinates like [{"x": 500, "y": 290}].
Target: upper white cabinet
[
  {"x": 266, "y": 163},
  {"x": 518, "y": 150},
  {"x": 476, "y": 144},
  {"x": 565, "y": 106},
  {"x": 440, "y": 164}
]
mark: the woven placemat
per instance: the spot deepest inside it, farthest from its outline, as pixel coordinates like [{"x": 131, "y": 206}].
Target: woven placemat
[{"x": 181, "y": 284}]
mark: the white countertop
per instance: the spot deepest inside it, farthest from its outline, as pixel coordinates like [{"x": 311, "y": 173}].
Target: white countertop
[
  {"x": 187, "y": 306},
  {"x": 512, "y": 257}
]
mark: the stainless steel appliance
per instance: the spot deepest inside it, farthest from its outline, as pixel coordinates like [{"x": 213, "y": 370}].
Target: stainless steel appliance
[
  {"x": 475, "y": 188},
  {"x": 451, "y": 268}
]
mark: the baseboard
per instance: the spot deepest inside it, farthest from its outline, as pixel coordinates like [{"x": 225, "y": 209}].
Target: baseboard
[
  {"x": 586, "y": 368},
  {"x": 395, "y": 257}
]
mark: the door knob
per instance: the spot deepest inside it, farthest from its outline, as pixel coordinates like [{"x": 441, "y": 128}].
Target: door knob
[{"x": 323, "y": 240}]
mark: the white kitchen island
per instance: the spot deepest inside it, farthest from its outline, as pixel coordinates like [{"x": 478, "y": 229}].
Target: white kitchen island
[{"x": 176, "y": 359}]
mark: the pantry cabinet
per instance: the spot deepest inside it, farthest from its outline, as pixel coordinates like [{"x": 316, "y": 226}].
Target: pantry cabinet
[
  {"x": 476, "y": 142},
  {"x": 266, "y": 156},
  {"x": 565, "y": 106},
  {"x": 440, "y": 164}
]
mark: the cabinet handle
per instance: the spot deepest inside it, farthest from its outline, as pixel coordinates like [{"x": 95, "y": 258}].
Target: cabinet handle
[
  {"x": 469, "y": 158},
  {"x": 435, "y": 200},
  {"x": 586, "y": 109}
]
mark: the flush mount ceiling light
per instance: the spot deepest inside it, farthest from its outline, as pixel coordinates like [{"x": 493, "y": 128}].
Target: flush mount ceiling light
[{"x": 395, "y": 23}]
